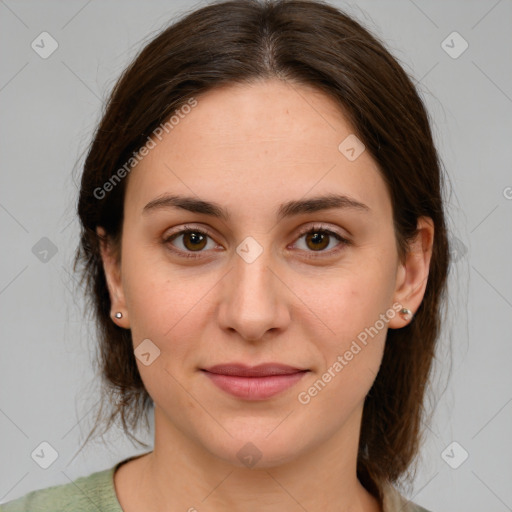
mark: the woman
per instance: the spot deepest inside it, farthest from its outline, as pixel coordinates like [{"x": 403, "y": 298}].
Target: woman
[{"x": 264, "y": 244}]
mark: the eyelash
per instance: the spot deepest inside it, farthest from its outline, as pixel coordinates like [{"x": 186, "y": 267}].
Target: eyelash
[{"x": 311, "y": 229}]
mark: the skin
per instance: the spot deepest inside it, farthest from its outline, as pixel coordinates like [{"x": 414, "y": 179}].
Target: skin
[{"x": 251, "y": 148}]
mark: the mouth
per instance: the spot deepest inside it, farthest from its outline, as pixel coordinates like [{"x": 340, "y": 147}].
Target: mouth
[{"x": 254, "y": 383}]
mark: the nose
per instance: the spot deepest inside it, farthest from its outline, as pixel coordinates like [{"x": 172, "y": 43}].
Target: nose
[{"x": 254, "y": 298}]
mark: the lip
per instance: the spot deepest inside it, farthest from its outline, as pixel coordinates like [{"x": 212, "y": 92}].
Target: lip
[{"x": 254, "y": 382}]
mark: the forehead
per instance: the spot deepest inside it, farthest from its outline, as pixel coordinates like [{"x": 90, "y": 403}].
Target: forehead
[{"x": 255, "y": 143}]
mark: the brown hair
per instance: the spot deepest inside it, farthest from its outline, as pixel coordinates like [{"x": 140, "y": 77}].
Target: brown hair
[{"x": 303, "y": 42}]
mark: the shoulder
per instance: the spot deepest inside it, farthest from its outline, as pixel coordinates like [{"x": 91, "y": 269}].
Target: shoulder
[
  {"x": 393, "y": 501},
  {"x": 87, "y": 493}
]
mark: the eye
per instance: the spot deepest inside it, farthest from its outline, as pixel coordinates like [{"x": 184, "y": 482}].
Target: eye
[
  {"x": 190, "y": 240},
  {"x": 318, "y": 238}
]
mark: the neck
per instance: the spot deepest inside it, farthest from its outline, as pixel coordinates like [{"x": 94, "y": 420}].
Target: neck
[{"x": 181, "y": 475}]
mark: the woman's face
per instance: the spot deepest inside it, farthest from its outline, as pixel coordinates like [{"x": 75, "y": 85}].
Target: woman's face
[{"x": 256, "y": 288}]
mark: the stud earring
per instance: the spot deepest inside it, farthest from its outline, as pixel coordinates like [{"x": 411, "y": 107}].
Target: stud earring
[
  {"x": 407, "y": 313},
  {"x": 119, "y": 315}
]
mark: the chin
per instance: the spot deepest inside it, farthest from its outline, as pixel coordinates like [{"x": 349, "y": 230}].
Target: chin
[{"x": 262, "y": 448}]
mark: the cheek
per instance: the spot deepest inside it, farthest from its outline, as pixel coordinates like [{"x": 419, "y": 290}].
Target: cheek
[
  {"x": 350, "y": 356},
  {"x": 168, "y": 305},
  {"x": 166, "y": 308},
  {"x": 353, "y": 314},
  {"x": 346, "y": 300},
  {"x": 156, "y": 296}
]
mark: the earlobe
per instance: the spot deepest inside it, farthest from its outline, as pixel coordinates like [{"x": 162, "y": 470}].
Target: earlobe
[
  {"x": 412, "y": 275},
  {"x": 111, "y": 267}
]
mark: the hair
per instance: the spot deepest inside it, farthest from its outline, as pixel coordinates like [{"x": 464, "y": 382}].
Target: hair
[{"x": 303, "y": 42}]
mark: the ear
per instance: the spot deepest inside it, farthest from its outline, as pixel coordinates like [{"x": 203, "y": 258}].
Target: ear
[
  {"x": 112, "y": 267},
  {"x": 412, "y": 274}
]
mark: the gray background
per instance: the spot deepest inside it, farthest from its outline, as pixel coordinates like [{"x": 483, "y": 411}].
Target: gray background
[{"x": 49, "y": 108}]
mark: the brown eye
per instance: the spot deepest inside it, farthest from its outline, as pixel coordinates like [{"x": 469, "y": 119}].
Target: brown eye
[
  {"x": 194, "y": 241},
  {"x": 317, "y": 240},
  {"x": 320, "y": 240},
  {"x": 189, "y": 241}
]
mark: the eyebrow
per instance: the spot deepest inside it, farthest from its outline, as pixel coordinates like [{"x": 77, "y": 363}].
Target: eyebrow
[{"x": 288, "y": 209}]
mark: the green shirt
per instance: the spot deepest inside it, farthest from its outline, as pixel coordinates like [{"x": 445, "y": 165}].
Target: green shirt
[{"x": 96, "y": 493}]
